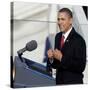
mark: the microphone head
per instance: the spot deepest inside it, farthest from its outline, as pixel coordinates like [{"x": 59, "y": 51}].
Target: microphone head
[{"x": 31, "y": 45}]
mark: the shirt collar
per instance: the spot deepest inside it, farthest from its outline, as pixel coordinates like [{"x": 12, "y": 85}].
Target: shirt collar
[{"x": 66, "y": 34}]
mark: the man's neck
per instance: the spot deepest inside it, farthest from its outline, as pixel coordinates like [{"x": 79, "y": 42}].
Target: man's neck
[{"x": 68, "y": 29}]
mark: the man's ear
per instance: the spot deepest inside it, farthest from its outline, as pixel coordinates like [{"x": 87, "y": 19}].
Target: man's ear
[{"x": 71, "y": 20}]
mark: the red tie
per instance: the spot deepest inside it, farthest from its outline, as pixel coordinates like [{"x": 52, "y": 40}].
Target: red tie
[{"x": 62, "y": 41}]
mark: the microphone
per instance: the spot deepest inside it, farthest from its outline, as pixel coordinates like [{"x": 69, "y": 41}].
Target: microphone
[{"x": 30, "y": 46}]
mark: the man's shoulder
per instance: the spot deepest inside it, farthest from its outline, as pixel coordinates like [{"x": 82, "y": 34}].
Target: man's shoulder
[
  {"x": 58, "y": 34},
  {"x": 77, "y": 37}
]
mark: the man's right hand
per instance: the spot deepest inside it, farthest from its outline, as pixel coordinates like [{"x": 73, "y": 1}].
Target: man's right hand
[{"x": 50, "y": 53}]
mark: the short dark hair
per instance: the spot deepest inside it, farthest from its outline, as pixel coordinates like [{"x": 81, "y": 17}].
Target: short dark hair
[{"x": 68, "y": 11}]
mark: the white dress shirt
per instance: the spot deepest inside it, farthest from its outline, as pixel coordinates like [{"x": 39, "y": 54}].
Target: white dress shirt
[{"x": 66, "y": 34}]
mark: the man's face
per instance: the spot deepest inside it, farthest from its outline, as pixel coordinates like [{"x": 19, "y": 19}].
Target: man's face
[{"x": 64, "y": 21}]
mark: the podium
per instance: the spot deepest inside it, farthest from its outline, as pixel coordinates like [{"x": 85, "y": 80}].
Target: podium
[{"x": 31, "y": 74}]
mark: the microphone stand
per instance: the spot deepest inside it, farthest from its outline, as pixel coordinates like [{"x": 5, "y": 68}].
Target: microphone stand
[
  {"x": 20, "y": 57},
  {"x": 23, "y": 61}
]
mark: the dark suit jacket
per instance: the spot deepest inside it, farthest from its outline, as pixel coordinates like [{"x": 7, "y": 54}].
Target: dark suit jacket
[{"x": 69, "y": 70}]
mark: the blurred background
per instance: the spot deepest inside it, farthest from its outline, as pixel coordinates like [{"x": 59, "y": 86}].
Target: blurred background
[{"x": 37, "y": 21}]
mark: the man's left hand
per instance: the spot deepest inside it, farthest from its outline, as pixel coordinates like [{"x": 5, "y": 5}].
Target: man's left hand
[{"x": 57, "y": 54}]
